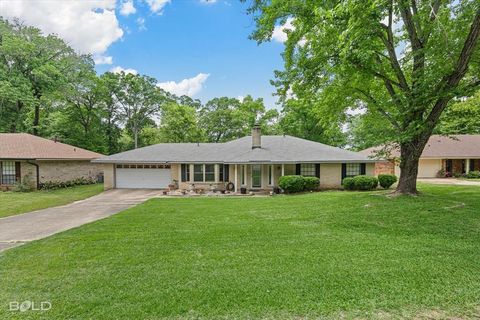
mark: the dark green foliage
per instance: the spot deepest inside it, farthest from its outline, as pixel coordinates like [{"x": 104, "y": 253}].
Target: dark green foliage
[
  {"x": 52, "y": 185},
  {"x": 386, "y": 180},
  {"x": 473, "y": 175},
  {"x": 348, "y": 184},
  {"x": 292, "y": 184},
  {"x": 311, "y": 183},
  {"x": 365, "y": 183}
]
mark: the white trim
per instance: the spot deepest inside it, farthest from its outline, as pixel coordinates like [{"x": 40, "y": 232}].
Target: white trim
[{"x": 236, "y": 179}]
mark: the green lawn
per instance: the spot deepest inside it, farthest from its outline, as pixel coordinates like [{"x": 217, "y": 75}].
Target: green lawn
[
  {"x": 326, "y": 254},
  {"x": 21, "y": 202}
]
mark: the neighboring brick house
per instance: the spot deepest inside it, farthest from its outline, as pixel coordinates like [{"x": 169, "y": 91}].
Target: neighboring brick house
[
  {"x": 447, "y": 155},
  {"x": 24, "y": 156}
]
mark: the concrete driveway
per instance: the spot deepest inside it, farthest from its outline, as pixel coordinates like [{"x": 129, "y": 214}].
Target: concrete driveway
[
  {"x": 19, "y": 229},
  {"x": 450, "y": 181}
]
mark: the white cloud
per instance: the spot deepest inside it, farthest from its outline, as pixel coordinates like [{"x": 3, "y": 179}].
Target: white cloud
[
  {"x": 119, "y": 69},
  {"x": 279, "y": 33},
  {"x": 240, "y": 98},
  {"x": 188, "y": 87},
  {"x": 208, "y": 1},
  {"x": 101, "y": 59},
  {"x": 127, "y": 8},
  {"x": 88, "y": 26},
  {"x": 156, "y": 6}
]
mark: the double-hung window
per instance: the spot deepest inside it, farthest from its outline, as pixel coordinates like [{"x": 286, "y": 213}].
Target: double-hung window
[
  {"x": 353, "y": 169},
  {"x": 243, "y": 174},
  {"x": 203, "y": 172},
  {"x": 307, "y": 169},
  {"x": 209, "y": 173},
  {"x": 8, "y": 172},
  {"x": 198, "y": 172}
]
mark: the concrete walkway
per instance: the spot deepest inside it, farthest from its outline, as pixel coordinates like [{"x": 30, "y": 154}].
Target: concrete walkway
[
  {"x": 16, "y": 230},
  {"x": 450, "y": 181}
]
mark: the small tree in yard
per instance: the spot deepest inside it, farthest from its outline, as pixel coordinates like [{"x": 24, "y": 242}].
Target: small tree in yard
[{"x": 404, "y": 60}]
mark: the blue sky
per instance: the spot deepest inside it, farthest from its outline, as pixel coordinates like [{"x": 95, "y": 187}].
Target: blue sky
[
  {"x": 189, "y": 38},
  {"x": 191, "y": 47}
]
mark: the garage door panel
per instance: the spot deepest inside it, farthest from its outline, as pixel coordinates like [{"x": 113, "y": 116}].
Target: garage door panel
[{"x": 143, "y": 178}]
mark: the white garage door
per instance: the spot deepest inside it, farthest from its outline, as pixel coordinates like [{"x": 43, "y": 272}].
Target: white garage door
[{"x": 143, "y": 176}]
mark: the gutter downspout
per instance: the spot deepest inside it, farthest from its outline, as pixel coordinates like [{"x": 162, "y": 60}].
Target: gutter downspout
[{"x": 38, "y": 172}]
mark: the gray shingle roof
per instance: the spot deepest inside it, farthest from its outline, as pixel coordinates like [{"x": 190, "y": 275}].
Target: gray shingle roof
[{"x": 276, "y": 149}]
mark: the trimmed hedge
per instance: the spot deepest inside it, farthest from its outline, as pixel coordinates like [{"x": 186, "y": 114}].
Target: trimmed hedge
[
  {"x": 52, "y": 185},
  {"x": 386, "y": 180},
  {"x": 361, "y": 182},
  {"x": 311, "y": 183},
  {"x": 292, "y": 184}
]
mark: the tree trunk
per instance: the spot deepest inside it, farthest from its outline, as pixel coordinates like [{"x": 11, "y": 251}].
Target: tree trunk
[
  {"x": 409, "y": 157},
  {"x": 36, "y": 119},
  {"x": 135, "y": 137}
]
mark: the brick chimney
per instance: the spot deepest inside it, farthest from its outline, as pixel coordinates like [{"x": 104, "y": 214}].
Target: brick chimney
[{"x": 256, "y": 137}]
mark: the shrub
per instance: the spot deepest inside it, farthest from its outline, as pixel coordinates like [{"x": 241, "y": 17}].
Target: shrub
[
  {"x": 311, "y": 183},
  {"x": 292, "y": 184},
  {"x": 386, "y": 180},
  {"x": 52, "y": 185},
  {"x": 348, "y": 184},
  {"x": 365, "y": 182},
  {"x": 473, "y": 175},
  {"x": 23, "y": 186}
]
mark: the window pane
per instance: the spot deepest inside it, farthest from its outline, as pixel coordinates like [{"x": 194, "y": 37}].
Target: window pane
[
  {"x": 307, "y": 169},
  {"x": 353, "y": 169},
  {"x": 256, "y": 176},
  {"x": 8, "y": 172},
  {"x": 209, "y": 172},
  {"x": 198, "y": 172},
  {"x": 221, "y": 169}
]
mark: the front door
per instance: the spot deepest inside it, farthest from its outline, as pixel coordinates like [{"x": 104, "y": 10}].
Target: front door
[{"x": 256, "y": 176}]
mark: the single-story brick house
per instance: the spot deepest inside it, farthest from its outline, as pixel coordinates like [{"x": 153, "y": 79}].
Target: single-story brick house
[
  {"x": 25, "y": 156},
  {"x": 455, "y": 154},
  {"x": 254, "y": 162}
]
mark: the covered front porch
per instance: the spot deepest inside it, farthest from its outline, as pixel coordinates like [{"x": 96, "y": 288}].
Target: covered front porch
[{"x": 454, "y": 167}]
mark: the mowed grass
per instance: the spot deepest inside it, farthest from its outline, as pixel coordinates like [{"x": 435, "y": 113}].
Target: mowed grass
[
  {"x": 13, "y": 203},
  {"x": 327, "y": 254}
]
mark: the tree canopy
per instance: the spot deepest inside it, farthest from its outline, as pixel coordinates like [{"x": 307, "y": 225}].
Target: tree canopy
[{"x": 402, "y": 60}]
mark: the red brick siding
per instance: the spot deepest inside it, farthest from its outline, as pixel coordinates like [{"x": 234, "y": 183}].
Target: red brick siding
[{"x": 387, "y": 167}]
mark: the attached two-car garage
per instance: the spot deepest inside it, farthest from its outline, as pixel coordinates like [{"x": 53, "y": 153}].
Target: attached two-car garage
[{"x": 142, "y": 176}]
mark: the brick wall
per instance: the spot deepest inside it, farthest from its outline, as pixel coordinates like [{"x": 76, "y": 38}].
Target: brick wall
[
  {"x": 59, "y": 170},
  {"x": 386, "y": 167}
]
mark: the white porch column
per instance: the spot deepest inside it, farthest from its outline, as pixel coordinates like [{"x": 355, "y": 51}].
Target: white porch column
[
  {"x": 217, "y": 173},
  {"x": 236, "y": 179},
  {"x": 467, "y": 166},
  {"x": 283, "y": 169}
]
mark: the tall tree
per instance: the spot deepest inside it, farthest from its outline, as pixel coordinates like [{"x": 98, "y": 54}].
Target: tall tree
[
  {"x": 139, "y": 99},
  {"x": 42, "y": 61},
  {"x": 462, "y": 117},
  {"x": 179, "y": 123},
  {"x": 402, "y": 59}
]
